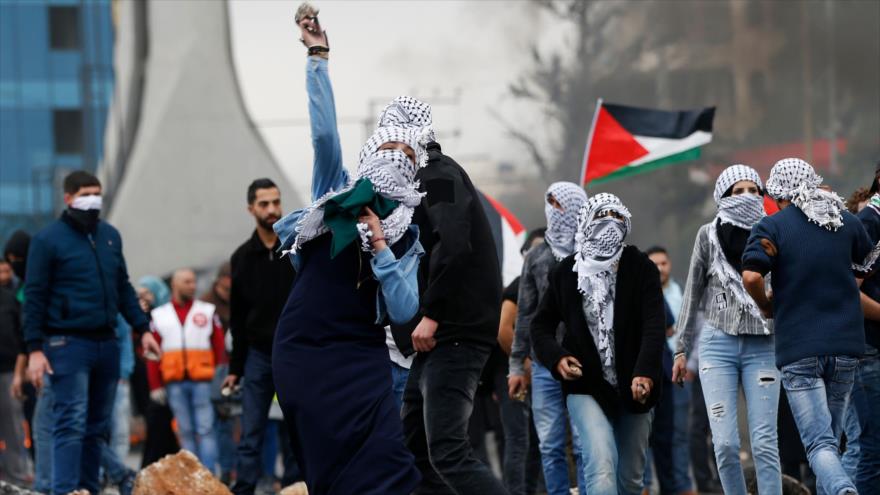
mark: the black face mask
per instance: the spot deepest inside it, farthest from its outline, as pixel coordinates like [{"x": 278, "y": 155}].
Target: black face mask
[{"x": 85, "y": 221}]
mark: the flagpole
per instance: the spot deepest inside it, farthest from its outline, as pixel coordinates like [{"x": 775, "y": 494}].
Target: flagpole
[{"x": 590, "y": 142}]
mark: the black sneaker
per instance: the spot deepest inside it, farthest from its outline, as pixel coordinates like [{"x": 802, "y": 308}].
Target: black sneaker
[{"x": 126, "y": 486}]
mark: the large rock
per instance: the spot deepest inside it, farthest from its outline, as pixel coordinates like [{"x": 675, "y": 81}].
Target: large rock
[
  {"x": 10, "y": 489},
  {"x": 178, "y": 474}
]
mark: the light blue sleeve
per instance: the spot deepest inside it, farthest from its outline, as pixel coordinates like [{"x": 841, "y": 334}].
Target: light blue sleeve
[
  {"x": 398, "y": 279},
  {"x": 327, "y": 171},
  {"x": 328, "y": 174}
]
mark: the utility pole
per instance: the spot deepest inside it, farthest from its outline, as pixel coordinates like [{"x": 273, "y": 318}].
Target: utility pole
[
  {"x": 832, "y": 87},
  {"x": 807, "y": 78}
]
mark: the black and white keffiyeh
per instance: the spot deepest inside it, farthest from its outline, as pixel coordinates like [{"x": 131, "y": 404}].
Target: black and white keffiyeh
[
  {"x": 742, "y": 211},
  {"x": 406, "y": 111},
  {"x": 868, "y": 264},
  {"x": 598, "y": 247},
  {"x": 562, "y": 225},
  {"x": 392, "y": 174},
  {"x": 795, "y": 180}
]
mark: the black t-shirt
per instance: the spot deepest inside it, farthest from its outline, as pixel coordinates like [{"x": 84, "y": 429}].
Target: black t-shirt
[
  {"x": 511, "y": 292},
  {"x": 10, "y": 331}
]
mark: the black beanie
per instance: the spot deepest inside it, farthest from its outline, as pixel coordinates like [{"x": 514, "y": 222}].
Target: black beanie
[{"x": 18, "y": 244}]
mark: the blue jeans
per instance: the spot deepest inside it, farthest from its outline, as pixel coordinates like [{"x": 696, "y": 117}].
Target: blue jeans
[
  {"x": 548, "y": 412},
  {"x": 258, "y": 389},
  {"x": 613, "y": 449},
  {"x": 84, "y": 388},
  {"x": 114, "y": 453},
  {"x": 866, "y": 399},
  {"x": 726, "y": 361},
  {"x": 190, "y": 402},
  {"x": 399, "y": 374},
  {"x": 114, "y": 467},
  {"x": 43, "y": 438},
  {"x": 853, "y": 430},
  {"x": 120, "y": 433},
  {"x": 818, "y": 390}
]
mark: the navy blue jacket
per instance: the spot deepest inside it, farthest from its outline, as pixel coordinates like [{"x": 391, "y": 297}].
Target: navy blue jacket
[
  {"x": 871, "y": 220},
  {"x": 76, "y": 283},
  {"x": 816, "y": 301}
]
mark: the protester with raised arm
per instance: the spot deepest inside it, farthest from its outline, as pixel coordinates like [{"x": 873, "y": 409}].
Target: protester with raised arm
[{"x": 356, "y": 256}]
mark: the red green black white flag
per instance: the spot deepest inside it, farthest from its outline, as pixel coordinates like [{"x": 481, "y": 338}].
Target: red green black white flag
[{"x": 628, "y": 140}]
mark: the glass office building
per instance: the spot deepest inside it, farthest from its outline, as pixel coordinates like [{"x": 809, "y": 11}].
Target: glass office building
[{"x": 56, "y": 83}]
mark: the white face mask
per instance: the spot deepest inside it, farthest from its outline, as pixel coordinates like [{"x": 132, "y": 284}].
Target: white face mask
[{"x": 86, "y": 203}]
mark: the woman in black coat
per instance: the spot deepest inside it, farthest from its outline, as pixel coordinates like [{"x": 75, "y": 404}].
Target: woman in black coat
[{"x": 608, "y": 295}]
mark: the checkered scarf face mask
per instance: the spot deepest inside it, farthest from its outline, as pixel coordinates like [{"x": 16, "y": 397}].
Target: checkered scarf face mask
[
  {"x": 392, "y": 174},
  {"x": 744, "y": 210},
  {"x": 795, "y": 180},
  {"x": 599, "y": 241},
  {"x": 598, "y": 247},
  {"x": 416, "y": 138},
  {"x": 562, "y": 225}
]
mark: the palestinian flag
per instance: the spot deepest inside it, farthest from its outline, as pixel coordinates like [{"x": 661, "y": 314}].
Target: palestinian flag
[
  {"x": 627, "y": 140},
  {"x": 509, "y": 235}
]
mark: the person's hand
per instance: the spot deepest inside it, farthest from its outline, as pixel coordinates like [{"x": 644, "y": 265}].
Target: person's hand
[
  {"x": 377, "y": 239},
  {"x": 38, "y": 366},
  {"x": 311, "y": 32},
  {"x": 569, "y": 368},
  {"x": 16, "y": 389},
  {"x": 145, "y": 299},
  {"x": 517, "y": 385},
  {"x": 679, "y": 369},
  {"x": 148, "y": 341},
  {"x": 229, "y": 383},
  {"x": 641, "y": 388},
  {"x": 767, "y": 311},
  {"x": 159, "y": 396},
  {"x": 423, "y": 336}
]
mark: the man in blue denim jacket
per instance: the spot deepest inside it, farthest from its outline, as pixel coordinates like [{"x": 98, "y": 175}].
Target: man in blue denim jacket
[
  {"x": 818, "y": 319},
  {"x": 77, "y": 283}
]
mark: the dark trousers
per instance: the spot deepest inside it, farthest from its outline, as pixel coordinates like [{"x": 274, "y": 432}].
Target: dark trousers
[
  {"x": 437, "y": 405},
  {"x": 258, "y": 390},
  {"x": 521, "y": 460},
  {"x": 84, "y": 387},
  {"x": 662, "y": 433},
  {"x": 161, "y": 439},
  {"x": 702, "y": 459}
]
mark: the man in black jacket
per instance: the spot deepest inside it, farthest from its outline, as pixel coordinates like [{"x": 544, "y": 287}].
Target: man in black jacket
[
  {"x": 460, "y": 281},
  {"x": 261, "y": 282}
]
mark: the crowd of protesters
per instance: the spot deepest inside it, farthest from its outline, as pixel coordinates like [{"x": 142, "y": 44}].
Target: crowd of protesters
[{"x": 374, "y": 322}]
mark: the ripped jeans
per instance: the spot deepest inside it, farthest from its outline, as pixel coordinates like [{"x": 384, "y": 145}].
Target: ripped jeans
[{"x": 725, "y": 362}]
